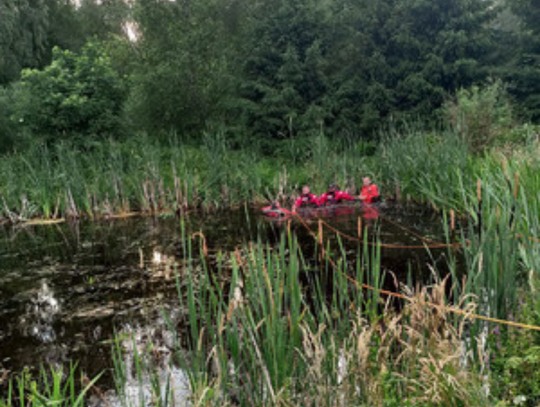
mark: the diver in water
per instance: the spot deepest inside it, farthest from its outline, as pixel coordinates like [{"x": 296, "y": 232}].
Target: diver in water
[
  {"x": 370, "y": 191},
  {"x": 306, "y": 200},
  {"x": 334, "y": 196}
]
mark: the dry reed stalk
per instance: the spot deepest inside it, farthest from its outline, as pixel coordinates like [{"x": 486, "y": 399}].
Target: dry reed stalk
[
  {"x": 434, "y": 343},
  {"x": 57, "y": 207},
  {"x": 479, "y": 190},
  {"x": 39, "y": 222},
  {"x": 203, "y": 239},
  {"x": 146, "y": 196}
]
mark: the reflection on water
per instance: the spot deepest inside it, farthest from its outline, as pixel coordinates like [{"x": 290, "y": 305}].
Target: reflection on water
[
  {"x": 171, "y": 379},
  {"x": 64, "y": 289},
  {"x": 151, "y": 345},
  {"x": 41, "y": 310}
]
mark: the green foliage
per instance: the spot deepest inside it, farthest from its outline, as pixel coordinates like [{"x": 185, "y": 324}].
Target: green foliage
[
  {"x": 101, "y": 19},
  {"x": 523, "y": 71},
  {"x": 181, "y": 78},
  {"x": 78, "y": 94},
  {"x": 417, "y": 165},
  {"x": 23, "y": 36},
  {"x": 259, "y": 333},
  {"x": 516, "y": 366},
  {"x": 287, "y": 68},
  {"x": 30, "y": 29},
  {"x": 295, "y": 67},
  {"x": 481, "y": 115},
  {"x": 52, "y": 387},
  {"x": 7, "y": 127},
  {"x": 285, "y": 72}
]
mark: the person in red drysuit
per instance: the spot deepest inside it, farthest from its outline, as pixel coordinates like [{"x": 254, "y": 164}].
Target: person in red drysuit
[
  {"x": 334, "y": 196},
  {"x": 276, "y": 211},
  {"x": 370, "y": 191},
  {"x": 306, "y": 200}
]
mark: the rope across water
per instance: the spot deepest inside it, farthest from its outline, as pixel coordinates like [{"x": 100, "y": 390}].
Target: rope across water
[{"x": 404, "y": 297}]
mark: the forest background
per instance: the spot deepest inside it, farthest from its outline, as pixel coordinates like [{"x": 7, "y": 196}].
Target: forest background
[{"x": 252, "y": 70}]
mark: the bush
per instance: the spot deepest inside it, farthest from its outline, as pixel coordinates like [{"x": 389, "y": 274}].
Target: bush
[
  {"x": 76, "y": 94},
  {"x": 480, "y": 115}
]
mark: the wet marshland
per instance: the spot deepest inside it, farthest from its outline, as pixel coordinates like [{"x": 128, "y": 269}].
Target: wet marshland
[{"x": 66, "y": 289}]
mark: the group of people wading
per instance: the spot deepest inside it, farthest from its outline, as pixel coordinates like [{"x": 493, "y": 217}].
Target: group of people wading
[{"x": 333, "y": 196}]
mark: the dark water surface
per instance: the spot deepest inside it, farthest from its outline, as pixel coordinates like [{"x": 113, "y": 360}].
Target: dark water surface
[{"x": 65, "y": 289}]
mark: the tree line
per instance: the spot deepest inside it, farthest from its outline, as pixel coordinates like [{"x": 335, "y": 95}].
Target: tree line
[{"x": 107, "y": 68}]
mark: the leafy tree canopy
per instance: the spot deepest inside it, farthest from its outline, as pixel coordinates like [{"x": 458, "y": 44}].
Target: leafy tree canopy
[{"x": 75, "y": 94}]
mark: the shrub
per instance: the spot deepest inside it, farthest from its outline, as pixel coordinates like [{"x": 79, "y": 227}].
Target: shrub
[
  {"x": 481, "y": 115},
  {"x": 75, "y": 94}
]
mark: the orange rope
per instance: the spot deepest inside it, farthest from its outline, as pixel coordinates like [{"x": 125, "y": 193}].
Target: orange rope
[
  {"x": 433, "y": 305},
  {"x": 410, "y": 231},
  {"x": 390, "y": 245}
]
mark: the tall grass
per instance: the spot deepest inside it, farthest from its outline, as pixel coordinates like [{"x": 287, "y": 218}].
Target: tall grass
[
  {"x": 269, "y": 326},
  {"x": 148, "y": 175}
]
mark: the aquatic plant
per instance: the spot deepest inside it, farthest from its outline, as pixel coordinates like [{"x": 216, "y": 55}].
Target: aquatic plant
[{"x": 52, "y": 387}]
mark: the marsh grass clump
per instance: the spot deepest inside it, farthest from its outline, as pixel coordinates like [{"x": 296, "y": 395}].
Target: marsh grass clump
[{"x": 51, "y": 387}]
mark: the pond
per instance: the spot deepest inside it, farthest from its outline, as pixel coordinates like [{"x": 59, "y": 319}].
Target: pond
[{"x": 66, "y": 289}]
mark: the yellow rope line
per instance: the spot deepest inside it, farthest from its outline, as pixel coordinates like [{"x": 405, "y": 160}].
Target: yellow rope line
[
  {"x": 410, "y": 231},
  {"x": 433, "y": 305},
  {"x": 390, "y": 245}
]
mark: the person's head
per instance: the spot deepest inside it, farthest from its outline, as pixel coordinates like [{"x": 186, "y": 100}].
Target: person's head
[
  {"x": 306, "y": 190},
  {"x": 275, "y": 205},
  {"x": 333, "y": 187},
  {"x": 366, "y": 181}
]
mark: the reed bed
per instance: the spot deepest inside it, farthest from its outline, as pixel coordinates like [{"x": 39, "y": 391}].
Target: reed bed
[
  {"x": 147, "y": 175},
  {"x": 141, "y": 174},
  {"x": 268, "y": 326}
]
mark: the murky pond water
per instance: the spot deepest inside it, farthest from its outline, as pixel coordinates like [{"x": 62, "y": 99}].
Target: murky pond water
[{"x": 65, "y": 289}]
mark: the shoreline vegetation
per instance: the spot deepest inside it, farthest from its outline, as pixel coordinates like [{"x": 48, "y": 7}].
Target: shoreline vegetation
[
  {"x": 478, "y": 147},
  {"x": 497, "y": 190},
  {"x": 144, "y": 177}
]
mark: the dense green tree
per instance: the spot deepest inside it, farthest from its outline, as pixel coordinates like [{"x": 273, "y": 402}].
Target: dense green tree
[
  {"x": 284, "y": 75},
  {"x": 23, "y": 36},
  {"x": 274, "y": 69},
  {"x": 77, "y": 94},
  {"x": 100, "y": 19},
  {"x": 30, "y": 29},
  {"x": 370, "y": 60},
  {"x": 182, "y": 72},
  {"x": 418, "y": 51},
  {"x": 7, "y": 126},
  {"x": 524, "y": 69}
]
